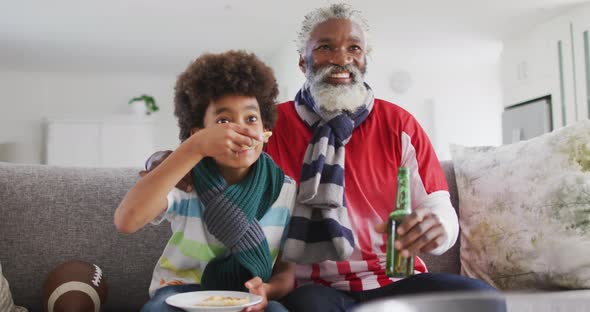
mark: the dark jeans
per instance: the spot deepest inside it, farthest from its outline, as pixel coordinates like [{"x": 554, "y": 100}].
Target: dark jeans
[{"x": 315, "y": 297}]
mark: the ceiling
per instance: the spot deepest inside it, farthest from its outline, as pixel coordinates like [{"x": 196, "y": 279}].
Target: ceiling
[{"x": 162, "y": 36}]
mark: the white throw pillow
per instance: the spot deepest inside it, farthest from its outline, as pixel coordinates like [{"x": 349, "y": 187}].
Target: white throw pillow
[
  {"x": 6, "y": 303},
  {"x": 525, "y": 211}
]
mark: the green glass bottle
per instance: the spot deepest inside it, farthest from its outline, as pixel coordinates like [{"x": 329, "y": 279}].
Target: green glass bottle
[{"x": 396, "y": 266}]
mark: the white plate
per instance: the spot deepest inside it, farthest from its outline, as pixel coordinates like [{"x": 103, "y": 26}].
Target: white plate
[{"x": 187, "y": 301}]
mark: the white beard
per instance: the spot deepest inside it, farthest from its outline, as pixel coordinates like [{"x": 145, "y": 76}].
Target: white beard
[{"x": 337, "y": 98}]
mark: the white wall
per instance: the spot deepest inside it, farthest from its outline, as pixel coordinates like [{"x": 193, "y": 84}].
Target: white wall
[
  {"x": 455, "y": 92},
  {"x": 286, "y": 69},
  {"x": 28, "y": 97}
]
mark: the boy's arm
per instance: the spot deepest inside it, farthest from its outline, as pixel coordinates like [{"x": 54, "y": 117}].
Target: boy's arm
[
  {"x": 185, "y": 184},
  {"x": 147, "y": 198},
  {"x": 279, "y": 285},
  {"x": 282, "y": 280}
]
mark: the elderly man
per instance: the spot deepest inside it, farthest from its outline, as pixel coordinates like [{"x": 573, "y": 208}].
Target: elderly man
[{"x": 343, "y": 146}]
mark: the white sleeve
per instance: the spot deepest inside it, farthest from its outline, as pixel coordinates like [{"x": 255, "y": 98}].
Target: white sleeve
[
  {"x": 440, "y": 204},
  {"x": 175, "y": 200}
]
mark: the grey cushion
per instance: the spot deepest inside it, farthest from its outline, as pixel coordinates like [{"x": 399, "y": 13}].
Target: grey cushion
[{"x": 53, "y": 214}]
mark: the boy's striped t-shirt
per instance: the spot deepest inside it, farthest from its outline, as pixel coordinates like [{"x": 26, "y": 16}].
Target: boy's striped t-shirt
[{"x": 191, "y": 246}]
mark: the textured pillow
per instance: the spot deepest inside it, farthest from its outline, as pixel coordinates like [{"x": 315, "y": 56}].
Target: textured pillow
[
  {"x": 525, "y": 211},
  {"x": 6, "y": 303}
]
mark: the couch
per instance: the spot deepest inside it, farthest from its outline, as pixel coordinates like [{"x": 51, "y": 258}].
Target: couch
[{"x": 50, "y": 214}]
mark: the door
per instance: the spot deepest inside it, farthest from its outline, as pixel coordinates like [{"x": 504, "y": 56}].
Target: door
[{"x": 581, "y": 39}]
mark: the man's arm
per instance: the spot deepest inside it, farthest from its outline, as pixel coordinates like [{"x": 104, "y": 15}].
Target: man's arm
[
  {"x": 423, "y": 231},
  {"x": 432, "y": 227},
  {"x": 439, "y": 203}
]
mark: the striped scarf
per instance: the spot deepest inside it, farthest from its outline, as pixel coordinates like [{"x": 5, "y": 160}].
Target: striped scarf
[
  {"x": 319, "y": 228},
  {"x": 231, "y": 214}
]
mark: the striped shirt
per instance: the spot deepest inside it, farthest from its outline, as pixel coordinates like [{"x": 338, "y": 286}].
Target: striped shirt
[
  {"x": 390, "y": 137},
  {"x": 191, "y": 246}
]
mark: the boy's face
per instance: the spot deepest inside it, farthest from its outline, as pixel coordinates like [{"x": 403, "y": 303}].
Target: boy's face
[{"x": 243, "y": 110}]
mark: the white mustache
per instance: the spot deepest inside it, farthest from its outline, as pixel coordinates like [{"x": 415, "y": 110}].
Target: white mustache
[
  {"x": 324, "y": 72},
  {"x": 337, "y": 98}
]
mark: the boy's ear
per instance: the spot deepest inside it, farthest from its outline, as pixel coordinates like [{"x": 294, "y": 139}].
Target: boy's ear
[
  {"x": 266, "y": 137},
  {"x": 194, "y": 130}
]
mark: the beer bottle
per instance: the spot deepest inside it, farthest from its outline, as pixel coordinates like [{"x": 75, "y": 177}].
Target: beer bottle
[{"x": 396, "y": 266}]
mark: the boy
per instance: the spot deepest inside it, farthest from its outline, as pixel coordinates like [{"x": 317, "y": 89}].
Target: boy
[{"x": 228, "y": 229}]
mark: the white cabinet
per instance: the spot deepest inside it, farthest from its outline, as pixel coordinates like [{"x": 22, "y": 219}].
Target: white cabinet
[
  {"x": 550, "y": 60},
  {"x": 110, "y": 141},
  {"x": 526, "y": 72}
]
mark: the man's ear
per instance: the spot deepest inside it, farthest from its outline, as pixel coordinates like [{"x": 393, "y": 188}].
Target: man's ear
[{"x": 302, "y": 63}]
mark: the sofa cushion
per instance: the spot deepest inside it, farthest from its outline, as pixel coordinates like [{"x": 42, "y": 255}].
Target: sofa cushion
[
  {"x": 525, "y": 211},
  {"x": 53, "y": 214}
]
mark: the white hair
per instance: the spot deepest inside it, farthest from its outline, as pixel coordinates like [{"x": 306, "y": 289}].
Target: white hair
[{"x": 320, "y": 15}]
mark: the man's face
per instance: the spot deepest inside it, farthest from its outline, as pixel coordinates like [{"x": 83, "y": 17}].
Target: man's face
[
  {"x": 335, "y": 64},
  {"x": 338, "y": 43}
]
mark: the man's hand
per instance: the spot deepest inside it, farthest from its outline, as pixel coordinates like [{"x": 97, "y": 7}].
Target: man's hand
[
  {"x": 420, "y": 232},
  {"x": 185, "y": 184},
  {"x": 257, "y": 287}
]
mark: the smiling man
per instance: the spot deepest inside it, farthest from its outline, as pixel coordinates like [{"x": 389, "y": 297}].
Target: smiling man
[
  {"x": 344, "y": 147},
  {"x": 334, "y": 63}
]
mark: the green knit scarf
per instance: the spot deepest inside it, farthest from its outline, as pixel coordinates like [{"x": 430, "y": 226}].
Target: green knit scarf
[{"x": 231, "y": 214}]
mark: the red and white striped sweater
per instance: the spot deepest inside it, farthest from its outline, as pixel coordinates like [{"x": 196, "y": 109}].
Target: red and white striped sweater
[{"x": 390, "y": 137}]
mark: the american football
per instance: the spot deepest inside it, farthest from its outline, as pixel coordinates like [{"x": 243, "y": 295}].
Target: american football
[{"x": 74, "y": 286}]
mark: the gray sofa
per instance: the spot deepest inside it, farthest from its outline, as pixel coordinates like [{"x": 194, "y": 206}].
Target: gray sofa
[{"x": 49, "y": 215}]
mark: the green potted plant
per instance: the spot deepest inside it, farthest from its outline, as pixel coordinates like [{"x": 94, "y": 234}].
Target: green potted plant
[{"x": 149, "y": 101}]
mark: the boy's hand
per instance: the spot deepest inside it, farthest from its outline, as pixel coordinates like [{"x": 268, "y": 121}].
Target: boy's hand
[
  {"x": 421, "y": 231},
  {"x": 217, "y": 140},
  {"x": 185, "y": 184},
  {"x": 225, "y": 139},
  {"x": 257, "y": 287}
]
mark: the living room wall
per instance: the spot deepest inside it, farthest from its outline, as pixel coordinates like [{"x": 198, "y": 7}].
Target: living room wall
[
  {"x": 454, "y": 92},
  {"x": 455, "y": 96},
  {"x": 29, "y": 97}
]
